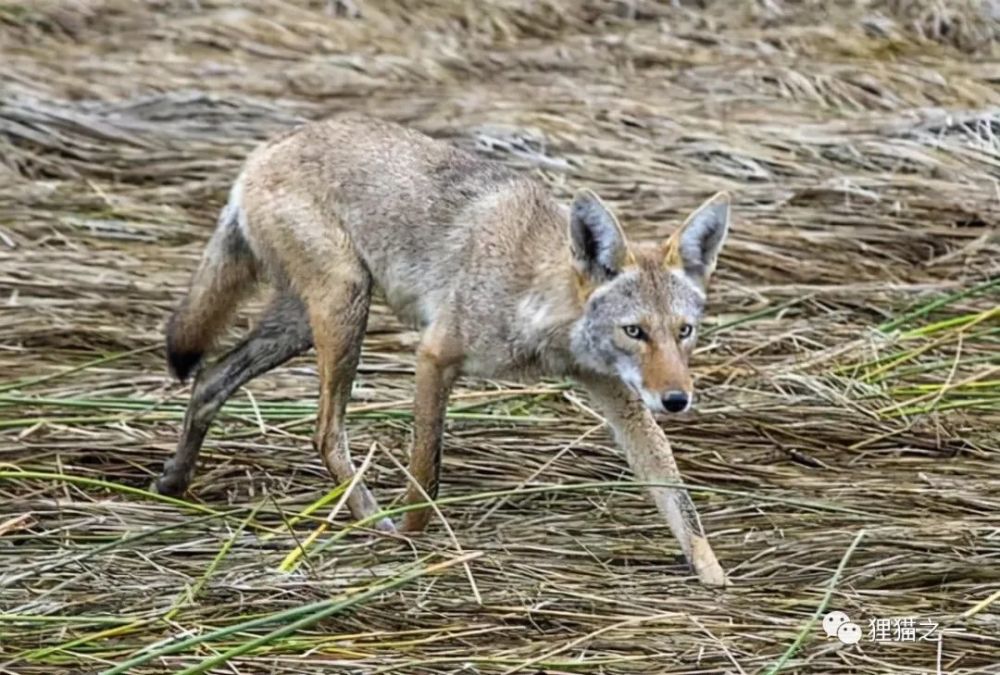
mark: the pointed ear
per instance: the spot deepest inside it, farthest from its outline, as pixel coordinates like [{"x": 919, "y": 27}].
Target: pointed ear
[
  {"x": 696, "y": 244},
  {"x": 598, "y": 243}
]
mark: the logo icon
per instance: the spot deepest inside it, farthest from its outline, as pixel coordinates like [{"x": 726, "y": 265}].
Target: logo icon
[
  {"x": 833, "y": 621},
  {"x": 849, "y": 633},
  {"x": 839, "y": 625}
]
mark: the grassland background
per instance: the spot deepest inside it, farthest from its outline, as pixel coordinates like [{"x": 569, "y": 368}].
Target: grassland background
[{"x": 849, "y": 377}]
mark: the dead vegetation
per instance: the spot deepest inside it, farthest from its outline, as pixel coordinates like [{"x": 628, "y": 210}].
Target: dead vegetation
[{"x": 850, "y": 381}]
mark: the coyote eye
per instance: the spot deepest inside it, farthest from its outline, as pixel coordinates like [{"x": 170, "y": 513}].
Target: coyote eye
[
  {"x": 685, "y": 331},
  {"x": 634, "y": 332}
]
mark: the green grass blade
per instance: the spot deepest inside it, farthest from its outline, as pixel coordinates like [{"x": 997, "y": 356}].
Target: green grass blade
[
  {"x": 808, "y": 628},
  {"x": 300, "y": 617}
]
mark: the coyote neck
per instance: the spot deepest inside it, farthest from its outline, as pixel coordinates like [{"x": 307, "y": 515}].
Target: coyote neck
[{"x": 547, "y": 311}]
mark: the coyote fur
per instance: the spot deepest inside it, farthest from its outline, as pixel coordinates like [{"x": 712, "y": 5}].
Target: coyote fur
[{"x": 501, "y": 279}]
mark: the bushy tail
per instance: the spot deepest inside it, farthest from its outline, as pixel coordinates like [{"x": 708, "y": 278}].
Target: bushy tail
[{"x": 226, "y": 275}]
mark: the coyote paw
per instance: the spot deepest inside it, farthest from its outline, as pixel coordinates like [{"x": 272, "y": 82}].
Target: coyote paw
[
  {"x": 705, "y": 564},
  {"x": 386, "y": 525},
  {"x": 172, "y": 482},
  {"x": 712, "y": 575}
]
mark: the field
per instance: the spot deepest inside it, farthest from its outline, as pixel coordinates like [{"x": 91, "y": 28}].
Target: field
[{"x": 844, "y": 452}]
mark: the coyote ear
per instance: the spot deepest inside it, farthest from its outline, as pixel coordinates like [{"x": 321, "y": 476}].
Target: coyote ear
[
  {"x": 696, "y": 244},
  {"x": 598, "y": 243}
]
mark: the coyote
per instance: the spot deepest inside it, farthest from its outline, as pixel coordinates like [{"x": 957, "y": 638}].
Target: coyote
[{"x": 501, "y": 279}]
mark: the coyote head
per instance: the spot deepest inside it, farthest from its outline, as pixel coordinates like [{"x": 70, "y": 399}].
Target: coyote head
[{"x": 643, "y": 301}]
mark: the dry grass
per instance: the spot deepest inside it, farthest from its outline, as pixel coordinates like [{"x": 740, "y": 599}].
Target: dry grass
[{"x": 849, "y": 384}]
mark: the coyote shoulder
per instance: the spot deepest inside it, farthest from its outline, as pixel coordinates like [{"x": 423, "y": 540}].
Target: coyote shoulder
[{"x": 501, "y": 279}]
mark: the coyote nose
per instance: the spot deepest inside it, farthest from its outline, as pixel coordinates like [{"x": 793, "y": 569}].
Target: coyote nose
[{"x": 675, "y": 401}]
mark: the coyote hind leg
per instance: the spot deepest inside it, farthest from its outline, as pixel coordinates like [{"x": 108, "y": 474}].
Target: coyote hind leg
[{"x": 282, "y": 333}]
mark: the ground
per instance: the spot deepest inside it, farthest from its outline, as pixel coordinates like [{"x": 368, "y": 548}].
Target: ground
[{"x": 844, "y": 449}]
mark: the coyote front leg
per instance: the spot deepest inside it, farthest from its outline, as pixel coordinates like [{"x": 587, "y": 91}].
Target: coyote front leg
[
  {"x": 437, "y": 368},
  {"x": 648, "y": 452}
]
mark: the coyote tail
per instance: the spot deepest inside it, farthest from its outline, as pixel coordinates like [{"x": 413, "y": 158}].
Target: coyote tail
[{"x": 226, "y": 275}]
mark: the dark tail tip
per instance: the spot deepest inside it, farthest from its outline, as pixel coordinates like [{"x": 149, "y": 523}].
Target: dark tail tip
[
  {"x": 182, "y": 363},
  {"x": 182, "y": 356}
]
